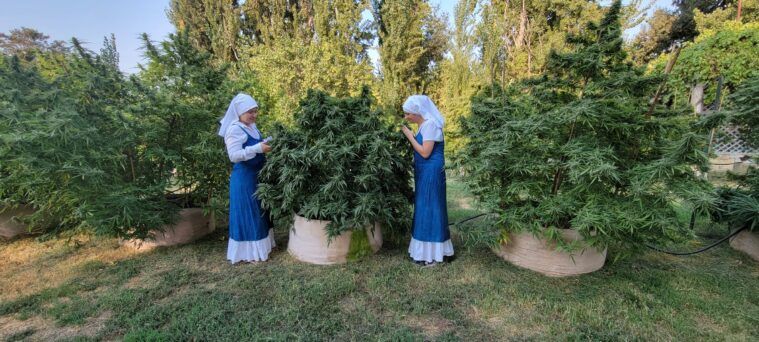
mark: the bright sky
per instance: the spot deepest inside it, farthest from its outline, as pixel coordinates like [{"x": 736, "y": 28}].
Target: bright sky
[{"x": 92, "y": 20}]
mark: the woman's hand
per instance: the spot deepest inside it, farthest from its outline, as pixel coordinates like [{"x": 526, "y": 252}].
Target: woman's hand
[
  {"x": 407, "y": 132},
  {"x": 265, "y": 147}
]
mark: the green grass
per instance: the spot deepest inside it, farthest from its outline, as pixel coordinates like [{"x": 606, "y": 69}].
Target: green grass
[{"x": 191, "y": 292}]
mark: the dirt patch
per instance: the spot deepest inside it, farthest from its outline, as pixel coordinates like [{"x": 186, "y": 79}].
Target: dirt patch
[
  {"x": 41, "y": 329},
  {"x": 137, "y": 282},
  {"x": 28, "y": 266},
  {"x": 464, "y": 202},
  {"x": 509, "y": 320},
  {"x": 431, "y": 326},
  {"x": 706, "y": 323}
]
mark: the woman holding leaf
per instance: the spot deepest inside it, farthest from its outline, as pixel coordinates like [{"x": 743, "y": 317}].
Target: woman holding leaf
[
  {"x": 431, "y": 239},
  {"x": 250, "y": 238}
]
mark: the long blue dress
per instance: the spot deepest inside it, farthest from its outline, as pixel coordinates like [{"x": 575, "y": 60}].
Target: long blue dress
[
  {"x": 431, "y": 239},
  {"x": 249, "y": 234}
]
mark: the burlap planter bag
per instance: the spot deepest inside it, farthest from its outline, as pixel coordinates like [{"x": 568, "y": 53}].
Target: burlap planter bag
[
  {"x": 192, "y": 225},
  {"x": 10, "y": 226},
  {"x": 746, "y": 242},
  {"x": 309, "y": 242},
  {"x": 536, "y": 254}
]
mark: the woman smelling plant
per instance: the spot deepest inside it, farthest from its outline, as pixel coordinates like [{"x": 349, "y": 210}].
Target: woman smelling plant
[
  {"x": 430, "y": 239},
  {"x": 250, "y": 238}
]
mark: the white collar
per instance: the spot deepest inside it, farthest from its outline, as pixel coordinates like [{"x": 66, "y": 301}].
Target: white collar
[{"x": 243, "y": 125}]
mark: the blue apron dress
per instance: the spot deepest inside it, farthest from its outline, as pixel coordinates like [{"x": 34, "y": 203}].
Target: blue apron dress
[
  {"x": 250, "y": 238},
  {"x": 430, "y": 238}
]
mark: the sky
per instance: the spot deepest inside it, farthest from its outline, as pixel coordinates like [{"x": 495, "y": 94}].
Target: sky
[{"x": 92, "y": 20}]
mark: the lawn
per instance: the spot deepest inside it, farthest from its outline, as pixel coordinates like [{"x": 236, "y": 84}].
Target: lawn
[{"x": 93, "y": 289}]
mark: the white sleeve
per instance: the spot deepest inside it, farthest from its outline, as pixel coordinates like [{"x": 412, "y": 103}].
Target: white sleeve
[
  {"x": 430, "y": 132},
  {"x": 234, "y": 139}
]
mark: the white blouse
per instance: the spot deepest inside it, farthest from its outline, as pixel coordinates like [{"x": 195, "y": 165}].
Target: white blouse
[
  {"x": 430, "y": 131},
  {"x": 236, "y": 137}
]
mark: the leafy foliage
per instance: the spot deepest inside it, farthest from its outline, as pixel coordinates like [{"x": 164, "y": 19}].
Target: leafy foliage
[
  {"x": 93, "y": 150},
  {"x": 212, "y": 26},
  {"x": 729, "y": 52},
  {"x": 740, "y": 206},
  {"x": 654, "y": 38},
  {"x": 461, "y": 74},
  {"x": 684, "y": 28},
  {"x": 576, "y": 148},
  {"x": 341, "y": 162},
  {"x": 412, "y": 37},
  {"x": 66, "y": 146},
  {"x": 291, "y": 57},
  {"x": 183, "y": 95}
]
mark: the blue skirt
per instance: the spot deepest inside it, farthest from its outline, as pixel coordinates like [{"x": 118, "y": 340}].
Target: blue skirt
[
  {"x": 430, "y": 210},
  {"x": 430, "y": 238},
  {"x": 247, "y": 221},
  {"x": 250, "y": 237}
]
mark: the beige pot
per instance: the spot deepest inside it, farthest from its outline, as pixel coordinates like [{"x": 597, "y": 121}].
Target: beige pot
[
  {"x": 536, "y": 254},
  {"x": 10, "y": 226},
  {"x": 746, "y": 242},
  {"x": 192, "y": 225},
  {"x": 309, "y": 242}
]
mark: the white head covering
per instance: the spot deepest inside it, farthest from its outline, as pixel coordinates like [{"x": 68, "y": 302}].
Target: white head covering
[
  {"x": 239, "y": 105},
  {"x": 422, "y": 105}
]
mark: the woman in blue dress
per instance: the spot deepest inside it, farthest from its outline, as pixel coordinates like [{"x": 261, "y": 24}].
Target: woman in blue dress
[
  {"x": 430, "y": 239},
  {"x": 250, "y": 238}
]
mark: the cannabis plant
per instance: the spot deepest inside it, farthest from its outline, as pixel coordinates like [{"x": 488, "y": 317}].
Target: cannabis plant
[
  {"x": 340, "y": 162},
  {"x": 184, "y": 93},
  {"x": 579, "y": 147},
  {"x": 66, "y": 147}
]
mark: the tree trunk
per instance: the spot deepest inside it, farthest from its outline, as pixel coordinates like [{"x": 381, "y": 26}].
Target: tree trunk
[{"x": 519, "y": 41}]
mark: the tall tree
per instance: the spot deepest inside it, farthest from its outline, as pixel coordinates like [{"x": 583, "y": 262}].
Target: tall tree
[
  {"x": 213, "y": 25},
  {"x": 517, "y": 36},
  {"x": 729, "y": 52},
  {"x": 412, "y": 42},
  {"x": 721, "y": 16},
  {"x": 461, "y": 73},
  {"x": 266, "y": 20},
  {"x": 27, "y": 42},
  {"x": 689, "y": 19},
  {"x": 327, "y": 51},
  {"x": 654, "y": 38},
  {"x": 684, "y": 28}
]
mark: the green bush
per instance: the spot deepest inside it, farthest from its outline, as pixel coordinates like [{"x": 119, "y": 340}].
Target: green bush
[
  {"x": 93, "y": 150},
  {"x": 342, "y": 163},
  {"x": 739, "y": 206},
  {"x": 67, "y": 147},
  {"x": 729, "y": 52},
  {"x": 576, "y": 148},
  {"x": 184, "y": 93}
]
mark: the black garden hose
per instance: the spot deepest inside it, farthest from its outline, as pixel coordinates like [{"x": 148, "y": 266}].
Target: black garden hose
[
  {"x": 692, "y": 223},
  {"x": 734, "y": 233}
]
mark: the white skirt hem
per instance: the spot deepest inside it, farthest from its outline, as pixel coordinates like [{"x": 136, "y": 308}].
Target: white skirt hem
[
  {"x": 429, "y": 251},
  {"x": 250, "y": 250}
]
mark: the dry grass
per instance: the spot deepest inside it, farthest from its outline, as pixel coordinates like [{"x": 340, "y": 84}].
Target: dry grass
[
  {"x": 37, "y": 328},
  {"x": 96, "y": 290},
  {"x": 28, "y": 266}
]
